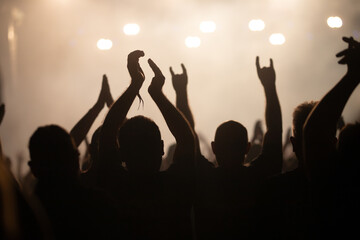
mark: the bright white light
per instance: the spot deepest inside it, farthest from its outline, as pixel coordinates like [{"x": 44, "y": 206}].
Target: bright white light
[
  {"x": 104, "y": 44},
  {"x": 131, "y": 29},
  {"x": 334, "y": 22},
  {"x": 277, "y": 39},
  {"x": 207, "y": 26},
  {"x": 256, "y": 25},
  {"x": 192, "y": 42}
]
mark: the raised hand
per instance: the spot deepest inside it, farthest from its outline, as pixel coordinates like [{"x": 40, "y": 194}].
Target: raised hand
[
  {"x": 158, "y": 80},
  {"x": 104, "y": 92},
  {"x": 135, "y": 71},
  {"x": 266, "y": 74},
  {"x": 106, "y": 89},
  {"x": 179, "y": 81},
  {"x": 351, "y": 56}
]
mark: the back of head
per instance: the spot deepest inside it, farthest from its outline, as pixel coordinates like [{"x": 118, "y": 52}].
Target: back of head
[
  {"x": 300, "y": 115},
  {"x": 348, "y": 145},
  {"x": 53, "y": 154},
  {"x": 231, "y": 141},
  {"x": 140, "y": 145}
]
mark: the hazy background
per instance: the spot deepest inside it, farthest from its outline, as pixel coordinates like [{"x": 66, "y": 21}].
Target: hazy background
[{"x": 51, "y": 68}]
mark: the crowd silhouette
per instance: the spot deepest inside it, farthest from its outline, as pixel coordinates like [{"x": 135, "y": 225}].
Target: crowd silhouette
[{"x": 254, "y": 191}]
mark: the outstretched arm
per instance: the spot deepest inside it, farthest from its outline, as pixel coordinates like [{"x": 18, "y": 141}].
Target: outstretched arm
[
  {"x": 320, "y": 127},
  {"x": 79, "y": 131},
  {"x": 180, "y": 82},
  {"x": 118, "y": 111},
  {"x": 272, "y": 143},
  {"x": 178, "y": 125}
]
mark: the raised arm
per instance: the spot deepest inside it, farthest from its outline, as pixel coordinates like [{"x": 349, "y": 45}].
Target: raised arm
[
  {"x": 180, "y": 82},
  {"x": 81, "y": 128},
  {"x": 272, "y": 143},
  {"x": 118, "y": 111},
  {"x": 178, "y": 125},
  {"x": 320, "y": 127}
]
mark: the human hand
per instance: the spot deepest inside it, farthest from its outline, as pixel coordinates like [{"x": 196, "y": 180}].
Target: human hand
[
  {"x": 179, "y": 81},
  {"x": 135, "y": 71},
  {"x": 158, "y": 80},
  {"x": 351, "y": 56},
  {"x": 266, "y": 74},
  {"x": 104, "y": 92}
]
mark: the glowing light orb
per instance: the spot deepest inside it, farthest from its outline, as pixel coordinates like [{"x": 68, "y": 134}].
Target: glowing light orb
[
  {"x": 131, "y": 29},
  {"x": 256, "y": 25},
  {"x": 207, "y": 26},
  {"x": 334, "y": 22},
  {"x": 192, "y": 42},
  {"x": 277, "y": 39},
  {"x": 104, "y": 44}
]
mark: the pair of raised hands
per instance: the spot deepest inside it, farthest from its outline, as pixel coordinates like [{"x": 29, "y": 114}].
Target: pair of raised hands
[{"x": 137, "y": 75}]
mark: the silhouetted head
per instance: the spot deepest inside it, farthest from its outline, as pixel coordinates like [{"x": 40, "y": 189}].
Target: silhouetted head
[
  {"x": 140, "y": 145},
  {"x": 349, "y": 145},
  {"x": 53, "y": 154},
  {"x": 300, "y": 115},
  {"x": 230, "y": 144}
]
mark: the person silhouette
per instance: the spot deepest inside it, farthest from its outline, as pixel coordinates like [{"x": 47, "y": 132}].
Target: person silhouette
[
  {"x": 228, "y": 207},
  {"x": 157, "y": 204},
  {"x": 72, "y": 209},
  {"x": 328, "y": 169}
]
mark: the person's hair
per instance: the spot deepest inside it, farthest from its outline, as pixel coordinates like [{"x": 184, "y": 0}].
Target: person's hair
[
  {"x": 348, "y": 144},
  {"x": 53, "y": 153},
  {"x": 230, "y": 136},
  {"x": 300, "y": 114},
  {"x": 140, "y": 142}
]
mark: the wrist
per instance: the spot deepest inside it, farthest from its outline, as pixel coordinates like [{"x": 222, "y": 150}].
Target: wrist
[
  {"x": 270, "y": 88},
  {"x": 155, "y": 94},
  {"x": 98, "y": 105},
  {"x": 135, "y": 85}
]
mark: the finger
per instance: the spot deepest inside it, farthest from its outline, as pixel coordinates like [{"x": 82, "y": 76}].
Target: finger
[
  {"x": 104, "y": 79},
  {"x": 342, "y": 53},
  {"x": 257, "y": 63},
  {"x": 172, "y": 72},
  {"x": 271, "y": 63},
  {"x": 347, "y": 39},
  {"x": 343, "y": 60},
  {"x": 154, "y": 67},
  {"x": 183, "y": 69}
]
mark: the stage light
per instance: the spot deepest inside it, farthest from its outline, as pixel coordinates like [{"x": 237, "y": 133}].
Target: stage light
[
  {"x": 277, "y": 39},
  {"x": 334, "y": 22},
  {"x": 104, "y": 44},
  {"x": 207, "y": 26},
  {"x": 192, "y": 42},
  {"x": 131, "y": 29},
  {"x": 256, "y": 25}
]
